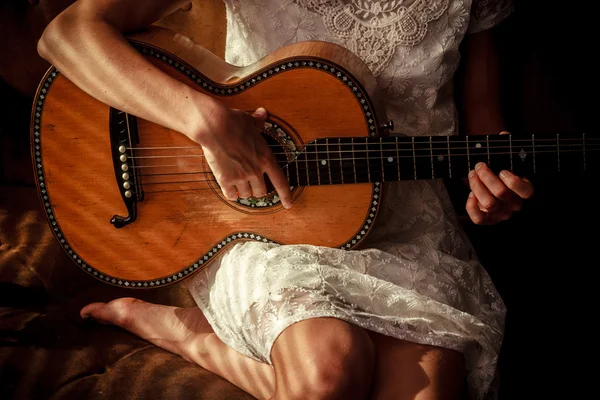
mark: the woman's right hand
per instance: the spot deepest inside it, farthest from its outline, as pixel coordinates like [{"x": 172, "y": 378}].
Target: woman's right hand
[{"x": 238, "y": 155}]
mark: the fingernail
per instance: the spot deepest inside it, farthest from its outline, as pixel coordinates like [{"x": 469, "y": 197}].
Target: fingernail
[
  {"x": 479, "y": 165},
  {"x": 471, "y": 194},
  {"x": 504, "y": 174},
  {"x": 471, "y": 173}
]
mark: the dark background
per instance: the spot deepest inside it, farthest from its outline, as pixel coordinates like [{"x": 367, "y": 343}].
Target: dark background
[{"x": 544, "y": 260}]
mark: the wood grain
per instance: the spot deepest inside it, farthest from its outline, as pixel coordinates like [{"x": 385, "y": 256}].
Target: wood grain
[{"x": 175, "y": 228}]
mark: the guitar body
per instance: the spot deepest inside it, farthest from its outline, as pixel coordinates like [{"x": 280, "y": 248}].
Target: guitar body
[{"x": 182, "y": 221}]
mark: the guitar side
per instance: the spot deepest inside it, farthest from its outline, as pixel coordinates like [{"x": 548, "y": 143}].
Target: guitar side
[{"x": 182, "y": 221}]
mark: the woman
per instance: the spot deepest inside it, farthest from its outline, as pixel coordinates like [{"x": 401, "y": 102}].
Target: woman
[{"x": 411, "y": 314}]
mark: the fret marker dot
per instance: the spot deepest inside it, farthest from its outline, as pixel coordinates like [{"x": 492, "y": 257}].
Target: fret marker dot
[
  {"x": 323, "y": 162},
  {"x": 390, "y": 159},
  {"x": 478, "y": 145}
]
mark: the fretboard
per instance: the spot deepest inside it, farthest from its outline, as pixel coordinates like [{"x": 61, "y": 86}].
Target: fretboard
[{"x": 358, "y": 160}]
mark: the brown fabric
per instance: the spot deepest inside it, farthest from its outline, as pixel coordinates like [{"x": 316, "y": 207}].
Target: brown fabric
[{"x": 47, "y": 354}]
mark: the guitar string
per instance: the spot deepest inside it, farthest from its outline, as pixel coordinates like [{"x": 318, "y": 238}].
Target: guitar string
[
  {"x": 301, "y": 170},
  {"x": 384, "y": 158},
  {"x": 422, "y": 149},
  {"x": 419, "y": 140}
]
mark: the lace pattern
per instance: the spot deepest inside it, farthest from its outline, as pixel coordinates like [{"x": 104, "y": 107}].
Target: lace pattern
[
  {"x": 373, "y": 30},
  {"x": 416, "y": 276}
]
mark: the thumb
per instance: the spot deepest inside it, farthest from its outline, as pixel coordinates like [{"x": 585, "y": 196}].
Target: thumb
[
  {"x": 261, "y": 116},
  {"x": 260, "y": 113}
]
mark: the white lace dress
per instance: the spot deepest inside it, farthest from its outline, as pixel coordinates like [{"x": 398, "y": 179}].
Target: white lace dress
[{"x": 416, "y": 277}]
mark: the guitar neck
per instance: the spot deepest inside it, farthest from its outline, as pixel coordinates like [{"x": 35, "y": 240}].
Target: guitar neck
[{"x": 359, "y": 160}]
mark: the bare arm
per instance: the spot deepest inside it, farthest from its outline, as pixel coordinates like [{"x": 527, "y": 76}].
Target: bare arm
[
  {"x": 479, "y": 89},
  {"x": 87, "y": 45},
  {"x": 493, "y": 198}
]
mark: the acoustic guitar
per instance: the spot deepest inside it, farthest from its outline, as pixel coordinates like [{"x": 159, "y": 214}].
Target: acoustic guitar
[{"x": 135, "y": 205}]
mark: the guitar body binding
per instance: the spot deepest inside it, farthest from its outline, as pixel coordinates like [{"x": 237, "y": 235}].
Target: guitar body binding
[{"x": 167, "y": 231}]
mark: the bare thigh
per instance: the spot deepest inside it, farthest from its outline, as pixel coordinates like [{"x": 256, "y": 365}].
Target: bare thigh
[{"x": 406, "y": 370}]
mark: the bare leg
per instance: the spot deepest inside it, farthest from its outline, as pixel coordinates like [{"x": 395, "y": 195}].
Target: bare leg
[
  {"x": 406, "y": 370},
  {"x": 323, "y": 358},
  {"x": 187, "y": 333}
]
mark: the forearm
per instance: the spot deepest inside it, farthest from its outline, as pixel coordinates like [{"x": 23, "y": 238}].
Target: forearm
[
  {"x": 479, "y": 99},
  {"x": 93, "y": 53}
]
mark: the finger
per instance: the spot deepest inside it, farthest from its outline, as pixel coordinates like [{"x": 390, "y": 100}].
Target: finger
[
  {"x": 522, "y": 187},
  {"x": 259, "y": 188},
  {"x": 515, "y": 203},
  {"x": 280, "y": 183},
  {"x": 260, "y": 116},
  {"x": 505, "y": 133},
  {"x": 472, "y": 207},
  {"x": 482, "y": 194},
  {"x": 229, "y": 192},
  {"x": 493, "y": 183},
  {"x": 244, "y": 190}
]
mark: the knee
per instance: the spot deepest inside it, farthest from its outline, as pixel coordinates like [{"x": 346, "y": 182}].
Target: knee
[{"x": 340, "y": 367}]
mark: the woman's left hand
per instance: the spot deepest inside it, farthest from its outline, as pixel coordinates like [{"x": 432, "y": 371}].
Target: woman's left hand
[{"x": 495, "y": 198}]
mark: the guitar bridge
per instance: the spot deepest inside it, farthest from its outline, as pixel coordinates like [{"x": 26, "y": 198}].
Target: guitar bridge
[{"x": 123, "y": 137}]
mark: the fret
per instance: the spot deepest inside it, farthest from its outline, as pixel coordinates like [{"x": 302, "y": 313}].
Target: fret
[
  {"x": 362, "y": 161},
  {"x": 414, "y": 157},
  {"x": 590, "y": 153},
  {"x": 286, "y": 166},
  {"x": 449, "y": 157},
  {"x": 511, "y": 152},
  {"x": 338, "y": 158},
  {"x": 305, "y": 152},
  {"x": 487, "y": 147},
  {"x": 468, "y": 153},
  {"x": 584, "y": 166},
  {"x": 422, "y": 157},
  {"x": 375, "y": 161},
  {"x": 367, "y": 151},
  {"x": 322, "y": 162},
  {"x": 545, "y": 155},
  {"x": 458, "y": 152},
  {"x": 533, "y": 149},
  {"x": 398, "y": 159},
  {"x": 389, "y": 159},
  {"x": 382, "y": 159},
  {"x": 478, "y": 150},
  {"x": 438, "y": 152},
  {"x": 523, "y": 156},
  {"x": 298, "y": 183},
  {"x": 328, "y": 160},
  {"x": 572, "y": 155},
  {"x": 558, "y": 152},
  {"x": 341, "y": 165},
  {"x": 354, "y": 161},
  {"x": 431, "y": 157},
  {"x": 347, "y": 162},
  {"x": 291, "y": 167},
  {"x": 316, "y": 154},
  {"x": 405, "y": 159}
]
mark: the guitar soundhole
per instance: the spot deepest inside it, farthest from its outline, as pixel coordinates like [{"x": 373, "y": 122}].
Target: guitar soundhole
[{"x": 285, "y": 151}]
